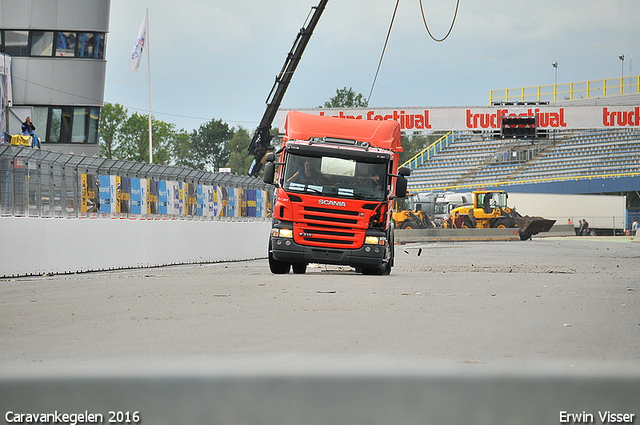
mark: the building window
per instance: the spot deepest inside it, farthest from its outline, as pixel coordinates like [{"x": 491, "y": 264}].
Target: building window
[
  {"x": 80, "y": 124},
  {"x": 16, "y": 43},
  {"x": 60, "y": 125},
  {"x": 99, "y": 51},
  {"x": 69, "y": 44},
  {"x": 66, "y": 44},
  {"x": 66, "y": 124},
  {"x": 39, "y": 119},
  {"x": 41, "y": 43},
  {"x": 90, "y": 45},
  {"x": 94, "y": 121}
]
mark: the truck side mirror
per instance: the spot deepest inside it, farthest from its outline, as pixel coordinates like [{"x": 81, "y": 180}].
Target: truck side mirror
[
  {"x": 401, "y": 186},
  {"x": 269, "y": 171},
  {"x": 404, "y": 171},
  {"x": 269, "y": 167}
]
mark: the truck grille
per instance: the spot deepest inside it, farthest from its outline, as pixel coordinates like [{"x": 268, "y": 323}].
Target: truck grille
[{"x": 329, "y": 226}]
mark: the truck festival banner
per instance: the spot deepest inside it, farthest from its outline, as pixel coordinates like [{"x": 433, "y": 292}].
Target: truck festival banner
[{"x": 489, "y": 117}]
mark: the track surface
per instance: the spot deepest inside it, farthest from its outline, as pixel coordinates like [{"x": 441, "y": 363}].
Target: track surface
[{"x": 565, "y": 303}]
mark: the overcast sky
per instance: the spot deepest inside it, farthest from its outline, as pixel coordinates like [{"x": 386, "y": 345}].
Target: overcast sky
[{"x": 215, "y": 59}]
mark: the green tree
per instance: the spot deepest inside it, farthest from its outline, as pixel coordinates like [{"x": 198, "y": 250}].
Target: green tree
[
  {"x": 181, "y": 150},
  {"x": 112, "y": 119},
  {"x": 416, "y": 143},
  {"x": 347, "y": 98},
  {"x": 239, "y": 159},
  {"x": 209, "y": 144},
  {"x": 134, "y": 143}
]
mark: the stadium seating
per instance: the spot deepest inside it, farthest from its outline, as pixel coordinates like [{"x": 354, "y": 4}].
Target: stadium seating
[{"x": 570, "y": 154}]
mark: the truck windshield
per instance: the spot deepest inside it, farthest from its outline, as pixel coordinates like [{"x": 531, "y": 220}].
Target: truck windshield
[
  {"x": 441, "y": 208},
  {"x": 339, "y": 177}
]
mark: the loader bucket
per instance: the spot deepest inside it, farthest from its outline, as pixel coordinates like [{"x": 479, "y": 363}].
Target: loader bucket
[{"x": 533, "y": 225}]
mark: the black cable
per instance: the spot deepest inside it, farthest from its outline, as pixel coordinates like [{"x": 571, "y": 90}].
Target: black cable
[
  {"x": 383, "y": 49},
  {"x": 455, "y": 15}
]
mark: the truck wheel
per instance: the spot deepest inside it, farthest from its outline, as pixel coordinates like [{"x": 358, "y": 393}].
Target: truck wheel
[
  {"x": 500, "y": 224},
  {"x": 467, "y": 224},
  {"x": 387, "y": 269},
  {"x": 409, "y": 224},
  {"x": 276, "y": 266},
  {"x": 299, "y": 268},
  {"x": 390, "y": 263},
  {"x": 374, "y": 271}
]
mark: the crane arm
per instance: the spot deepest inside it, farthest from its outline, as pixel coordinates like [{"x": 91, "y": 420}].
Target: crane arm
[{"x": 261, "y": 140}]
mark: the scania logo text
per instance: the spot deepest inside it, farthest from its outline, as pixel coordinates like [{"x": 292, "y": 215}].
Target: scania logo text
[{"x": 330, "y": 202}]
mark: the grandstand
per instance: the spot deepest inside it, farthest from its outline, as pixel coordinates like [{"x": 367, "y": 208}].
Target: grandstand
[
  {"x": 472, "y": 160},
  {"x": 603, "y": 159}
]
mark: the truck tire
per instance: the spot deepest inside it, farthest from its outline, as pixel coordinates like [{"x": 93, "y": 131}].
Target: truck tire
[
  {"x": 500, "y": 223},
  {"x": 374, "y": 271},
  {"x": 299, "y": 268},
  {"x": 392, "y": 254},
  {"x": 410, "y": 224},
  {"x": 276, "y": 266},
  {"x": 387, "y": 268}
]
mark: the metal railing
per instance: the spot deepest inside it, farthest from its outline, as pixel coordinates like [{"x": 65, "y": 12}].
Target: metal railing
[
  {"x": 40, "y": 183},
  {"x": 434, "y": 148},
  {"x": 568, "y": 91},
  {"x": 490, "y": 184}
]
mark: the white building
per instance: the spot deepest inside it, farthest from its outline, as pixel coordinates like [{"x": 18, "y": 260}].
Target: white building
[{"x": 58, "y": 65}]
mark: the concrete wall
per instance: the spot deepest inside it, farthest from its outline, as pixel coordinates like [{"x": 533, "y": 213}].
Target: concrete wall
[
  {"x": 315, "y": 391},
  {"x": 604, "y": 212},
  {"x": 452, "y": 235},
  {"x": 31, "y": 246}
]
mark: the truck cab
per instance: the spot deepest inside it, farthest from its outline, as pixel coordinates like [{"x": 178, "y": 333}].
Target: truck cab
[
  {"x": 335, "y": 186},
  {"x": 446, "y": 202}
]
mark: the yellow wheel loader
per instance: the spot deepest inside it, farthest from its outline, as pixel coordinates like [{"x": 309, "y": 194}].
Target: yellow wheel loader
[
  {"x": 407, "y": 214},
  {"x": 490, "y": 210}
]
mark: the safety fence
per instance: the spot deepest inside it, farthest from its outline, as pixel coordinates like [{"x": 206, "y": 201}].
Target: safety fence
[
  {"x": 568, "y": 91},
  {"x": 41, "y": 183},
  {"x": 431, "y": 150}
]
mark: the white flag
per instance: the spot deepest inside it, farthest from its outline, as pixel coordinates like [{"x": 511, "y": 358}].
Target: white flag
[{"x": 136, "y": 54}]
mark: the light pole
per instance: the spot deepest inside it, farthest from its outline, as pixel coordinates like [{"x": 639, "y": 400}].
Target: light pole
[
  {"x": 555, "y": 85},
  {"x": 621, "y": 57}
]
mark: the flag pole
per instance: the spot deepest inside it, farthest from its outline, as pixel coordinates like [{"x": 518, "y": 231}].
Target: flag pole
[{"x": 149, "y": 80}]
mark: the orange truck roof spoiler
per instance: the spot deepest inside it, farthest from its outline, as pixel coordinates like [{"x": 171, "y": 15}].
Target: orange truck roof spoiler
[{"x": 380, "y": 134}]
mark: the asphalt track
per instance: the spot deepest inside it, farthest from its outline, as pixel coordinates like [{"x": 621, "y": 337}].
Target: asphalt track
[
  {"x": 460, "y": 332},
  {"x": 569, "y": 301}
]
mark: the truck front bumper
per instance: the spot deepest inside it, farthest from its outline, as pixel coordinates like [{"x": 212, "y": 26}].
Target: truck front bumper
[{"x": 286, "y": 249}]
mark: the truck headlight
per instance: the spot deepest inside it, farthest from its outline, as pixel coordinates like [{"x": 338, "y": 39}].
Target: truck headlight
[
  {"x": 282, "y": 233},
  {"x": 375, "y": 240}
]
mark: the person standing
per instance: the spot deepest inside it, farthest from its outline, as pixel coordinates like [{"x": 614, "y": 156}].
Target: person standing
[
  {"x": 28, "y": 129},
  {"x": 585, "y": 228}
]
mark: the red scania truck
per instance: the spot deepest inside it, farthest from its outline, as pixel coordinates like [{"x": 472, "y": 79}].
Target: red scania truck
[{"x": 336, "y": 182}]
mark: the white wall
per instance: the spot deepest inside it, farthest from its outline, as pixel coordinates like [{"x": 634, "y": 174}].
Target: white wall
[
  {"x": 600, "y": 211},
  {"x": 32, "y": 246}
]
